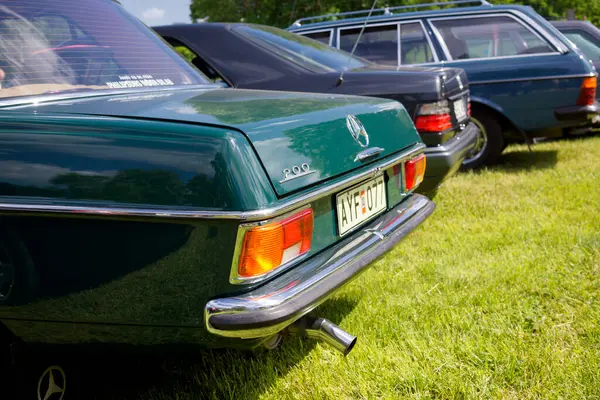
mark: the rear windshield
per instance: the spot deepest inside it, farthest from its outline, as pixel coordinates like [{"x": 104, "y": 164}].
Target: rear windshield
[
  {"x": 53, "y": 46},
  {"x": 309, "y": 53}
]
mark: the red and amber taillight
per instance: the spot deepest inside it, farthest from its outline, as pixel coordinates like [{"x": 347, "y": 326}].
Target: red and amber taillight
[
  {"x": 433, "y": 117},
  {"x": 414, "y": 172},
  {"x": 269, "y": 246},
  {"x": 587, "y": 93}
]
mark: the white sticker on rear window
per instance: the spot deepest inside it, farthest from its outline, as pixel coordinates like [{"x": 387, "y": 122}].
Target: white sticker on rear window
[
  {"x": 140, "y": 98},
  {"x": 137, "y": 81}
]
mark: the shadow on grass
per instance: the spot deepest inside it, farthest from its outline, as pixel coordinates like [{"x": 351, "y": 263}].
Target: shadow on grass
[
  {"x": 109, "y": 372},
  {"x": 518, "y": 161},
  {"x": 569, "y": 138}
]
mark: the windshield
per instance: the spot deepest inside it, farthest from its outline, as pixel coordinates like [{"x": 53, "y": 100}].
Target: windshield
[
  {"x": 82, "y": 45},
  {"x": 310, "y": 53}
]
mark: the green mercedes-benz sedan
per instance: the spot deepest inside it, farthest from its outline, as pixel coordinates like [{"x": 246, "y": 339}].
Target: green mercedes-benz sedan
[{"x": 142, "y": 205}]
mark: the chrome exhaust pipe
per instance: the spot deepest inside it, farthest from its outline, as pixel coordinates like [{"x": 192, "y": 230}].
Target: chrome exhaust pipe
[
  {"x": 326, "y": 331},
  {"x": 333, "y": 335}
]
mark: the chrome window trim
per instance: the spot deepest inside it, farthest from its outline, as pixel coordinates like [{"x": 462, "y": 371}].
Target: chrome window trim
[
  {"x": 441, "y": 42},
  {"x": 503, "y": 57},
  {"x": 399, "y": 37},
  {"x": 428, "y": 37},
  {"x": 143, "y": 211},
  {"x": 339, "y": 29},
  {"x": 318, "y": 31},
  {"x": 545, "y": 38},
  {"x": 536, "y": 78},
  {"x": 234, "y": 277},
  {"x": 558, "y": 44},
  {"x": 339, "y": 35}
]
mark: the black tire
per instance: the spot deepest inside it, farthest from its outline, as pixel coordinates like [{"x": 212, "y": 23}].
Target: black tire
[
  {"x": 18, "y": 278},
  {"x": 491, "y": 142}
]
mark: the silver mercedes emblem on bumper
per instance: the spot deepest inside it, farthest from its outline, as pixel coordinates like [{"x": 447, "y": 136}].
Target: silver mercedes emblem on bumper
[
  {"x": 357, "y": 130},
  {"x": 52, "y": 384}
]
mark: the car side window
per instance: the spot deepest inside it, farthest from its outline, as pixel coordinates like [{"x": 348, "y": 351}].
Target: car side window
[
  {"x": 531, "y": 40},
  {"x": 377, "y": 43},
  {"x": 414, "y": 47},
  {"x": 500, "y": 46},
  {"x": 506, "y": 47},
  {"x": 323, "y": 37},
  {"x": 589, "y": 45},
  {"x": 488, "y": 37}
]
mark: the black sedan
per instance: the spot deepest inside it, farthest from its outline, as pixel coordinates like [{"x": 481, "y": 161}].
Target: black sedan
[{"x": 261, "y": 57}]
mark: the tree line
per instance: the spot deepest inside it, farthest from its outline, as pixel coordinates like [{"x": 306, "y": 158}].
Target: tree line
[{"x": 282, "y": 13}]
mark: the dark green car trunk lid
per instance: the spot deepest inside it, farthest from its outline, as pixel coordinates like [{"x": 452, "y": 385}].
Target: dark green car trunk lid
[{"x": 301, "y": 136}]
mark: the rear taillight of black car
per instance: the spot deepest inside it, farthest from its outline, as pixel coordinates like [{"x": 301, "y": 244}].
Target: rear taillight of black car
[
  {"x": 433, "y": 117},
  {"x": 587, "y": 93}
]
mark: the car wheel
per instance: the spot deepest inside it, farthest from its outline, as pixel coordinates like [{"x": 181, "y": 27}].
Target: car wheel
[
  {"x": 18, "y": 278},
  {"x": 490, "y": 143}
]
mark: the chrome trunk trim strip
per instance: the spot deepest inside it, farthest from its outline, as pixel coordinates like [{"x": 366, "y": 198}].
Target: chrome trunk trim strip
[{"x": 40, "y": 206}]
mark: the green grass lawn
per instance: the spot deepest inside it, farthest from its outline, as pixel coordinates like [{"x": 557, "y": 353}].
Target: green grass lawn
[{"x": 495, "y": 296}]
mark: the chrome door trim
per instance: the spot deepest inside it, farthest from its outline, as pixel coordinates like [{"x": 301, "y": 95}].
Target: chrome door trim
[
  {"x": 398, "y": 19},
  {"x": 398, "y": 33},
  {"x": 536, "y": 78}
]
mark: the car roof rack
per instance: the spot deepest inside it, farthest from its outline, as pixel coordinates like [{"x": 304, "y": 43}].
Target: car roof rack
[{"x": 389, "y": 10}]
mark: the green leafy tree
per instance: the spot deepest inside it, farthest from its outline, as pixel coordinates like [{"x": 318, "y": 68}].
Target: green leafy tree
[
  {"x": 269, "y": 12},
  {"x": 557, "y": 9},
  {"x": 282, "y": 13},
  {"x": 185, "y": 53}
]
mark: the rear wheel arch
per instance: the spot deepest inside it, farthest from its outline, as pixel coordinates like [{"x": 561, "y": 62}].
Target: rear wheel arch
[
  {"x": 493, "y": 125},
  {"x": 480, "y": 104}
]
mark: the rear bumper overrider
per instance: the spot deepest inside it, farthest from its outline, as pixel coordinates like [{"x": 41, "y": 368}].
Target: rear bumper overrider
[
  {"x": 272, "y": 307},
  {"x": 579, "y": 115}
]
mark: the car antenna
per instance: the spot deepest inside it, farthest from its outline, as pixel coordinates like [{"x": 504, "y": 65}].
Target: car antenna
[{"x": 341, "y": 78}]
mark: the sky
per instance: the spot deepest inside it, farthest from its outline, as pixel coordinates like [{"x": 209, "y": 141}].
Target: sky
[{"x": 159, "y": 12}]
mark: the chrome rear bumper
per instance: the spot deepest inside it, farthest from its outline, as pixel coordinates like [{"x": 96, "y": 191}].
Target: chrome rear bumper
[{"x": 270, "y": 308}]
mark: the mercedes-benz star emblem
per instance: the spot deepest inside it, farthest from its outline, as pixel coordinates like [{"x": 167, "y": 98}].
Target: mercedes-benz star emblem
[
  {"x": 357, "y": 130},
  {"x": 52, "y": 384}
]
